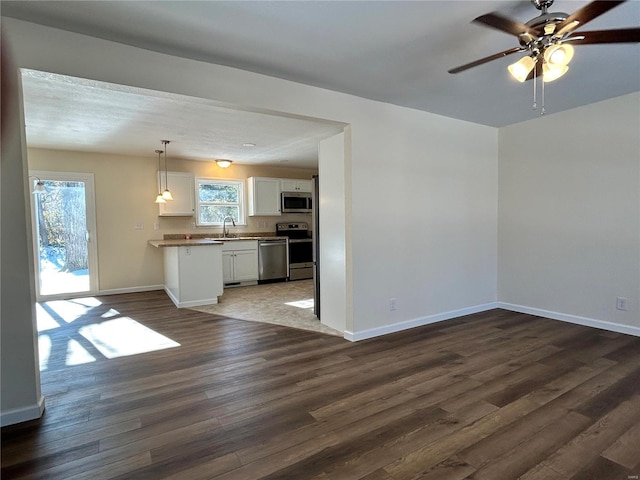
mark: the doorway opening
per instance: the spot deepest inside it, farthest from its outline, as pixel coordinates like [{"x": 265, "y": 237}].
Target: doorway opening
[{"x": 63, "y": 225}]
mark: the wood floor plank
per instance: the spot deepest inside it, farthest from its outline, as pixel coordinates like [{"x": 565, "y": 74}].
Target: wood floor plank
[
  {"x": 570, "y": 458},
  {"x": 491, "y": 395},
  {"x": 521, "y": 458},
  {"x": 625, "y": 450}
]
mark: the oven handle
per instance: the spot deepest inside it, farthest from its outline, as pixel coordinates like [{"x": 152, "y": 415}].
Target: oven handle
[{"x": 300, "y": 240}]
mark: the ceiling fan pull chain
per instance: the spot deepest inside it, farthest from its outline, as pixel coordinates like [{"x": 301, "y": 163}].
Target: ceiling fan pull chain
[
  {"x": 542, "y": 110},
  {"x": 535, "y": 81}
]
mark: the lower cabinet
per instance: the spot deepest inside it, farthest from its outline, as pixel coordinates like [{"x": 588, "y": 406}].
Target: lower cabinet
[
  {"x": 240, "y": 262},
  {"x": 192, "y": 275}
]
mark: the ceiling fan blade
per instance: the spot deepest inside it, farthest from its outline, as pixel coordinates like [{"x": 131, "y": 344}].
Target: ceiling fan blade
[
  {"x": 497, "y": 21},
  {"x": 586, "y": 14},
  {"x": 466, "y": 66},
  {"x": 622, "y": 35}
]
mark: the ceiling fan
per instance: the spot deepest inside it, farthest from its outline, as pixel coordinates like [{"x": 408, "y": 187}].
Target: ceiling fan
[{"x": 548, "y": 38}]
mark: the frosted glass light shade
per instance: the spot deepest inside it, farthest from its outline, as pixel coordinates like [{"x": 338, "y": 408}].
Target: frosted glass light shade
[
  {"x": 167, "y": 195},
  {"x": 549, "y": 74},
  {"x": 558, "y": 55},
  {"x": 39, "y": 188},
  {"x": 159, "y": 199},
  {"x": 224, "y": 163},
  {"x": 521, "y": 69}
]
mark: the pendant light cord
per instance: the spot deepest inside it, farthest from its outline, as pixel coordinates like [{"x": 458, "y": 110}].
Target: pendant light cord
[{"x": 166, "y": 175}]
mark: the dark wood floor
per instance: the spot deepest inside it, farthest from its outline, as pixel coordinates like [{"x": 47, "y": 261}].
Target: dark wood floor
[{"x": 497, "y": 395}]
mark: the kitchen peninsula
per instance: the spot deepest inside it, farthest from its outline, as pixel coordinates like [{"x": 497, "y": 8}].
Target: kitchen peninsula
[{"x": 192, "y": 270}]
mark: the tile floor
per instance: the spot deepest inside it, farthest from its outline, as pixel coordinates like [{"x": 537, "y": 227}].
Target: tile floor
[{"x": 284, "y": 303}]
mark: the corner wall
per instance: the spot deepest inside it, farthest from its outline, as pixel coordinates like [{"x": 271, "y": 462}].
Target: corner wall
[
  {"x": 569, "y": 215},
  {"x": 21, "y": 398}
]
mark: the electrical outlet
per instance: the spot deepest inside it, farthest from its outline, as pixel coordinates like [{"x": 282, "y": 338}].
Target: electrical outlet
[
  {"x": 193, "y": 225},
  {"x": 156, "y": 226},
  {"x": 621, "y": 303},
  {"x": 392, "y": 305},
  {"x": 187, "y": 251},
  {"x": 139, "y": 226}
]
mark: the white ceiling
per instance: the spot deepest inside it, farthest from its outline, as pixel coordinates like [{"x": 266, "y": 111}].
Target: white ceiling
[
  {"x": 77, "y": 114},
  {"x": 393, "y": 51}
]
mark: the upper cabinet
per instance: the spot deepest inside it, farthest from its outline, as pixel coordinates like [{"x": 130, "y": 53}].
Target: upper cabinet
[
  {"x": 181, "y": 185},
  {"x": 264, "y": 196},
  {"x": 292, "y": 185}
]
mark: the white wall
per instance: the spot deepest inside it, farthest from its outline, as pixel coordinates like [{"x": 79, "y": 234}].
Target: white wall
[
  {"x": 424, "y": 220},
  {"x": 333, "y": 236},
  {"x": 569, "y": 229},
  {"x": 20, "y": 398}
]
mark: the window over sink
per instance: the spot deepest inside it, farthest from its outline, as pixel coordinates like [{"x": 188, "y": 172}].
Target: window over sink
[{"x": 217, "y": 199}]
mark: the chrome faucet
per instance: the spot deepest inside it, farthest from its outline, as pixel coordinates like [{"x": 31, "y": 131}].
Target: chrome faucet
[{"x": 224, "y": 225}]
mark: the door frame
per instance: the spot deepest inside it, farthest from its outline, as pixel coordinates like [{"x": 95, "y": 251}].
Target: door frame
[{"x": 92, "y": 244}]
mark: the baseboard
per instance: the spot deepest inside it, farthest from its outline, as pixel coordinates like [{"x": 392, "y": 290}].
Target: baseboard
[
  {"x": 22, "y": 414},
  {"x": 564, "y": 317},
  {"x": 417, "y": 322},
  {"x": 191, "y": 304},
  {"x": 118, "y": 291}
]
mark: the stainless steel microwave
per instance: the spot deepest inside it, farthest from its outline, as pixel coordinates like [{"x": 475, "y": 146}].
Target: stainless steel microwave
[{"x": 296, "y": 202}]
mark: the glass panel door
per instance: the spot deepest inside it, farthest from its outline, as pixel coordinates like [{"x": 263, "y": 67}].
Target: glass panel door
[{"x": 63, "y": 229}]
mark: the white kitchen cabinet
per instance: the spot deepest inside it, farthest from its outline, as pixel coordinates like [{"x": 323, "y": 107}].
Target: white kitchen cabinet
[
  {"x": 181, "y": 185},
  {"x": 264, "y": 196},
  {"x": 240, "y": 262},
  {"x": 292, "y": 185}
]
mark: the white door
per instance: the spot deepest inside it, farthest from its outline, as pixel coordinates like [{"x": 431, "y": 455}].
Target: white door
[{"x": 64, "y": 235}]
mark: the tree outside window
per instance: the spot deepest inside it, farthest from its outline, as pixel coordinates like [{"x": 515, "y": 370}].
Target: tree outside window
[{"x": 218, "y": 199}]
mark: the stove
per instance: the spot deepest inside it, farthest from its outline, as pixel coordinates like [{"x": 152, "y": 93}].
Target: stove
[{"x": 300, "y": 249}]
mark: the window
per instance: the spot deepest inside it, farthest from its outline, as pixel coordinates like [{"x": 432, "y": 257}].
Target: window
[{"x": 217, "y": 199}]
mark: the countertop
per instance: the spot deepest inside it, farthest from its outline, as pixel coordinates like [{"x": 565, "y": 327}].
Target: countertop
[
  {"x": 198, "y": 242},
  {"x": 195, "y": 242}
]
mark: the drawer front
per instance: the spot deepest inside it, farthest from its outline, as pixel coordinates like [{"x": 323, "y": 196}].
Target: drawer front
[{"x": 229, "y": 245}]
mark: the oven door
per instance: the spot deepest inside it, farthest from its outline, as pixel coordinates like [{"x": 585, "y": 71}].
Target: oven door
[
  {"x": 300, "y": 252},
  {"x": 300, "y": 258}
]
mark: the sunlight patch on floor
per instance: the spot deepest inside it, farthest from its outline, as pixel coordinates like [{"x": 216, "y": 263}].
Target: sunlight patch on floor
[
  {"x": 44, "y": 320},
  {"x": 301, "y": 303},
  {"x": 124, "y": 336},
  {"x": 77, "y": 355},
  {"x": 84, "y": 334},
  {"x": 71, "y": 310}
]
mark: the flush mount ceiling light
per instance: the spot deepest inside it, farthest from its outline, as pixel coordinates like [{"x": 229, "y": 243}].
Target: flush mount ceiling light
[
  {"x": 547, "y": 38},
  {"x": 166, "y": 194},
  {"x": 249, "y": 144},
  {"x": 159, "y": 198},
  {"x": 224, "y": 163}
]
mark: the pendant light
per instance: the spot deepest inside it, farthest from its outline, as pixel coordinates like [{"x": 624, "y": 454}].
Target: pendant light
[
  {"x": 166, "y": 194},
  {"x": 39, "y": 187},
  {"x": 160, "y": 198}
]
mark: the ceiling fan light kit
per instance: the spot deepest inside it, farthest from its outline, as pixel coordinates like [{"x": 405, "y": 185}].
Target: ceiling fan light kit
[
  {"x": 547, "y": 38},
  {"x": 521, "y": 69}
]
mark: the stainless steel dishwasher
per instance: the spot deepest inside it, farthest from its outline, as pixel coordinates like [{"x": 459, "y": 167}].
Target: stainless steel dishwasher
[{"x": 273, "y": 259}]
